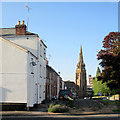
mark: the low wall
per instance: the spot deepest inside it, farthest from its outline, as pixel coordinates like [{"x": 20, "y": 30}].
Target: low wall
[{"x": 13, "y": 106}]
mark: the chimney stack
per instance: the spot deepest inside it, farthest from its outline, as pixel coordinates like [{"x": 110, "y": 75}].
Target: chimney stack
[{"x": 20, "y": 29}]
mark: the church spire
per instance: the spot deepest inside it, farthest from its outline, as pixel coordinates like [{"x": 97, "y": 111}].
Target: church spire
[
  {"x": 81, "y": 49},
  {"x": 80, "y": 55},
  {"x": 80, "y": 76}
]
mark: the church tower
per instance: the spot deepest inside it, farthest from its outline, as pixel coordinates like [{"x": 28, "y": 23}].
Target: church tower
[{"x": 80, "y": 76}]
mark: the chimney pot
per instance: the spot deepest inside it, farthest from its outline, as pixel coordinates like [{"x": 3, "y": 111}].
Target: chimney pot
[
  {"x": 23, "y": 22},
  {"x": 18, "y": 22}
]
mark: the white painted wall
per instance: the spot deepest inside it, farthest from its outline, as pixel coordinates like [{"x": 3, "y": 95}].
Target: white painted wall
[
  {"x": 31, "y": 81},
  {"x": 27, "y": 42},
  {"x": 14, "y": 74},
  {"x": 63, "y": 85},
  {"x": 0, "y": 70},
  {"x": 36, "y": 47},
  {"x": 42, "y": 71},
  {"x": 19, "y": 84},
  {"x": 58, "y": 85}
]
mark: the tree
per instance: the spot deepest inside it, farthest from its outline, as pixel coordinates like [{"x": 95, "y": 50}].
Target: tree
[
  {"x": 98, "y": 86},
  {"x": 110, "y": 61}
]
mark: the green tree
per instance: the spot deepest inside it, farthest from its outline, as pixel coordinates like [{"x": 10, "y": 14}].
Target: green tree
[
  {"x": 96, "y": 83},
  {"x": 98, "y": 86}
]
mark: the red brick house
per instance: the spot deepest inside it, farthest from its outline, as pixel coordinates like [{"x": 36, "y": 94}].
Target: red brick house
[{"x": 54, "y": 83}]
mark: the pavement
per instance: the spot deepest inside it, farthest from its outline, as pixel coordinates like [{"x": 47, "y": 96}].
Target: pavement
[
  {"x": 41, "y": 110},
  {"x": 38, "y": 113}
]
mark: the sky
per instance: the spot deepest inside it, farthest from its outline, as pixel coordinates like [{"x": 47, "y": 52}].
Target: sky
[{"x": 64, "y": 27}]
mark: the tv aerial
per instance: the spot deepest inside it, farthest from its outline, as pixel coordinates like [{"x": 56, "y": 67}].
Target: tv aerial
[{"x": 28, "y": 9}]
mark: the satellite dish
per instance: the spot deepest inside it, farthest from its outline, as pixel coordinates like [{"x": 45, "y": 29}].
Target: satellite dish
[{"x": 33, "y": 63}]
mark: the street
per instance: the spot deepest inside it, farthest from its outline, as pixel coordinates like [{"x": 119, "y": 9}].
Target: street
[{"x": 82, "y": 117}]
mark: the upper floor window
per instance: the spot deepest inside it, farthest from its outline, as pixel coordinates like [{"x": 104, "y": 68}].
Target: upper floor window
[
  {"x": 44, "y": 54},
  {"x": 41, "y": 50}
]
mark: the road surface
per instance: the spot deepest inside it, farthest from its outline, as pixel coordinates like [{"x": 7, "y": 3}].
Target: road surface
[{"x": 81, "y": 117}]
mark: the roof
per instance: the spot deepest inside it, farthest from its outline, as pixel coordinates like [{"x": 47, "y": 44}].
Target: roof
[
  {"x": 15, "y": 45},
  {"x": 12, "y": 31},
  {"x": 7, "y": 31},
  {"x": 70, "y": 83},
  {"x": 51, "y": 69},
  {"x": 43, "y": 43}
]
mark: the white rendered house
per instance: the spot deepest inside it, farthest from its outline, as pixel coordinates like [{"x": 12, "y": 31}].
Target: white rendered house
[
  {"x": 18, "y": 74},
  {"x": 24, "y": 66}
]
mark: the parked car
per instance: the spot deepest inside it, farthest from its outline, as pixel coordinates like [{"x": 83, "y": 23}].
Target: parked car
[
  {"x": 54, "y": 98},
  {"x": 64, "y": 94},
  {"x": 74, "y": 95},
  {"x": 97, "y": 98},
  {"x": 105, "y": 98},
  {"x": 86, "y": 98}
]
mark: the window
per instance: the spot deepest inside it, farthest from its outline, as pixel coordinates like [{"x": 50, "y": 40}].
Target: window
[
  {"x": 44, "y": 54},
  {"x": 40, "y": 71},
  {"x": 41, "y": 50}
]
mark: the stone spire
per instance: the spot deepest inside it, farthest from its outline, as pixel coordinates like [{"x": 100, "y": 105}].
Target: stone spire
[
  {"x": 80, "y": 62},
  {"x": 80, "y": 76},
  {"x": 80, "y": 55}
]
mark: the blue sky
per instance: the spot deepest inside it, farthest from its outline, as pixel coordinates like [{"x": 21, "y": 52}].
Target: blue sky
[{"x": 65, "y": 26}]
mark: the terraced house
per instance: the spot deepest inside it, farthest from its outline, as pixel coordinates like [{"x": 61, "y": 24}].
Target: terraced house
[{"x": 54, "y": 83}]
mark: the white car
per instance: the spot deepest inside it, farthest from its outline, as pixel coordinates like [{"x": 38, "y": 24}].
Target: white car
[{"x": 86, "y": 97}]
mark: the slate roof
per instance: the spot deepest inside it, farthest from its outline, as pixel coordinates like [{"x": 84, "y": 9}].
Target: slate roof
[{"x": 12, "y": 32}]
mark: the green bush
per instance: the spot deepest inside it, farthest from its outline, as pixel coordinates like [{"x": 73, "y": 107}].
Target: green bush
[
  {"x": 116, "y": 111},
  {"x": 57, "y": 108},
  {"x": 109, "y": 102},
  {"x": 51, "y": 105},
  {"x": 95, "y": 108},
  {"x": 70, "y": 103}
]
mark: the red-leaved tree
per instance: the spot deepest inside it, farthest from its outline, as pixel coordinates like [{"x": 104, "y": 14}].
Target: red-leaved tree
[{"x": 110, "y": 61}]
